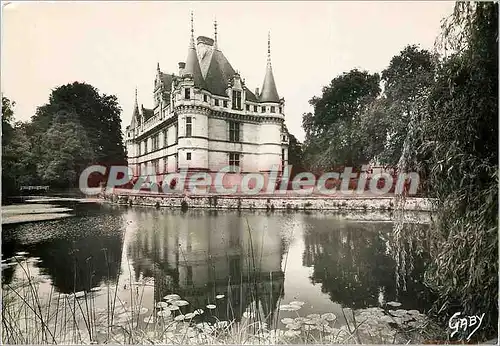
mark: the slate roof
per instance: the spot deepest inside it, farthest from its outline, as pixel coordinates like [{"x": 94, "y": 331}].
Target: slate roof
[
  {"x": 147, "y": 113},
  {"x": 193, "y": 68},
  {"x": 166, "y": 80},
  {"x": 269, "y": 92}
]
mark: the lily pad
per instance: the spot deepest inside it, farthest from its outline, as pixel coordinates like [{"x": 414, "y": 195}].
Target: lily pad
[
  {"x": 164, "y": 313},
  {"x": 211, "y": 306},
  {"x": 172, "y": 297},
  {"x": 329, "y": 316},
  {"x": 395, "y": 304},
  {"x": 179, "y": 318},
  {"x": 162, "y": 305},
  {"x": 180, "y": 302}
]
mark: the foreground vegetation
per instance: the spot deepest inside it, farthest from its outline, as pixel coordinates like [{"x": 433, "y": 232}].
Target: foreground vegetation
[
  {"x": 28, "y": 316},
  {"x": 436, "y": 114}
]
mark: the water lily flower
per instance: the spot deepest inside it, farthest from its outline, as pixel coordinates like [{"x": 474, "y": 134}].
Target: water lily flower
[{"x": 198, "y": 311}]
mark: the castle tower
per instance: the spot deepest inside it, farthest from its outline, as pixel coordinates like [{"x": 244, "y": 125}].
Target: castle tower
[
  {"x": 192, "y": 114},
  {"x": 271, "y": 127}
]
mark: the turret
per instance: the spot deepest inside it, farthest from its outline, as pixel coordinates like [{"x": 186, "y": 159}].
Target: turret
[{"x": 192, "y": 66}]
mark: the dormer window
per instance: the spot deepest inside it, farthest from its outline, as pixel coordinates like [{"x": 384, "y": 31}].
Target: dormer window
[
  {"x": 237, "y": 99},
  {"x": 205, "y": 98},
  {"x": 248, "y": 107},
  {"x": 216, "y": 102},
  {"x": 273, "y": 109},
  {"x": 187, "y": 94},
  {"x": 263, "y": 109},
  {"x": 225, "y": 104},
  {"x": 281, "y": 111},
  {"x": 255, "y": 108}
]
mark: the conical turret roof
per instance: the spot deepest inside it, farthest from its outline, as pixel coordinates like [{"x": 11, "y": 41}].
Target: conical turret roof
[
  {"x": 269, "y": 92},
  {"x": 136, "y": 117},
  {"x": 192, "y": 63}
]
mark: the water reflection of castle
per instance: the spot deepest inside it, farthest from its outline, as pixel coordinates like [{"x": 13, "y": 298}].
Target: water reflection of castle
[{"x": 200, "y": 255}]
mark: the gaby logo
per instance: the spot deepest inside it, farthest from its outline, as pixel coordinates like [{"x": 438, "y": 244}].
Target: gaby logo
[{"x": 465, "y": 323}]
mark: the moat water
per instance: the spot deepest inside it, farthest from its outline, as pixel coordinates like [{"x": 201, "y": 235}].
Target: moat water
[{"x": 320, "y": 259}]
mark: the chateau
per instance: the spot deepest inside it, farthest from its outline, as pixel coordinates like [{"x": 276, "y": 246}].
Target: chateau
[{"x": 205, "y": 118}]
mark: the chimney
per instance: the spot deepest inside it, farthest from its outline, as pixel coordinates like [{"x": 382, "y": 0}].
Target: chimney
[
  {"x": 257, "y": 92},
  {"x": 182, "y": 65}
]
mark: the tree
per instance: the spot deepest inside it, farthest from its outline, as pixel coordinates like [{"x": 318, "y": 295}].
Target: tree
[
  {"x": 98, "y": 115},
  {"x": 295, "y": 155},
  {"x": 333, "y": 129},
  {"x": 407, "y": 79},
  {"x": 66, "y": 151}
]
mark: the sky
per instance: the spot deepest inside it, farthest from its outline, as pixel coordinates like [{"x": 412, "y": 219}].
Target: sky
[{"x": 115, "y": 46}]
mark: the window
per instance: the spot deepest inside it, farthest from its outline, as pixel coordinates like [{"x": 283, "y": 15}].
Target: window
[
  {"x": 205, "y": 98},
  {"x": 225, "y": 104},
  {"x": 236, "y": 99},
  {"x": 255, "y": 108},
  {"x": 176, "y": 133},
  {"x": 165, "y": 141},
  {"x": 156, "y": 141},
  {"x": 234, "y": 131},
  {"x": 189, "y": 124},
  {"x": 188, "y": 156},
  {"x": 187, "y": 94},
  {"x": 273, "y": 109},
  {"x": 156, "y": 166},
  {"x": 263, "y": 109},
  {"x": 280, "y": 110},
  {"x": 146, "y": 146},
  {"x": 165, "y": 164},
  {"x": 234, "y": 159},
  {"x": 248, "y": 107},
  {"x": 216, "y": 102},
  {"x": 282, "y": 159}
]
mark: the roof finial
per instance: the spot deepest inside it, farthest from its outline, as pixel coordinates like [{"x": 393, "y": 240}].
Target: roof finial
[
  {"x": 192, "y": 31},
  {"x": 269, "y": 47},
  {"x": 215, "y": 33},
  {"x": 136, "y": 96},
  {"x": 158, "y": 66}
]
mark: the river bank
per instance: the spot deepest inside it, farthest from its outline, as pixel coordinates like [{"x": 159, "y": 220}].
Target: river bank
[{"x": 272, "y": 202}]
